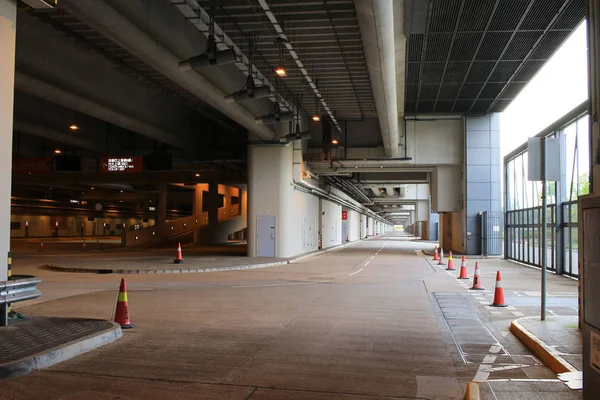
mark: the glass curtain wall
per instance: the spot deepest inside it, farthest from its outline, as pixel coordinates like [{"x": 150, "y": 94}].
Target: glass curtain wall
[{"x": 523, "y": 203}]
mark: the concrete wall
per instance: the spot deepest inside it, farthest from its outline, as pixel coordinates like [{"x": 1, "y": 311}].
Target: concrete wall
[
  {"x": 435, "y": 142},
  {"x": 41, "y": 225},
  {"x": 331, "y": 223},
  {"x": 447, "y": 189}
]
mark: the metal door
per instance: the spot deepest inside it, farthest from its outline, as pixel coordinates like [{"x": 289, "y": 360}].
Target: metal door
[
  {"x": 265, "y": 236},
  {"x": 344, "y": 231}
]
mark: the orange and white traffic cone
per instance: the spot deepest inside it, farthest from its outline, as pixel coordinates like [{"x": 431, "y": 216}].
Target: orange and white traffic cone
[
  {"x": 450, "y": 263},
  {"x": 477, "y": 279},
  {"x": 463, "y": 269},
  {"x": 179, "y": 259},
  {"x": 441, "y": 260},
  {"x": 436, "y": 257},
  {"x": 499, "y": 293},
  {"x": 41, "y": 247},
  {"x": 122, "y": 311}
]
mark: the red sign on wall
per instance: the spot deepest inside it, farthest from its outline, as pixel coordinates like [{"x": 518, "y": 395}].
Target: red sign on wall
[
  {"x": 344, "y": 215},
  {"x": 122, "y": 164},
  {"x": 31, "y": 165}
]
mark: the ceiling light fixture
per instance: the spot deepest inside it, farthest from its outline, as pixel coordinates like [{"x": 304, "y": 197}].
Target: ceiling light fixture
[
  {"x": 197, "y": 175},
  {"x": 211, "y": 56},
  {"x": 57, "y": 151},
  {"x": 280, "y": 69},
  {"x": 316, "y": 118},
  {"x": 274, "y": 118},
  {"x": 334, "y": 141},
  {"x": 73, "y": 127}
]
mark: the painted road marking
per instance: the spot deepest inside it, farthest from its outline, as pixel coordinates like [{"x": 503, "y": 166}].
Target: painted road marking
[
  {"x": 517, "y": 313},
  {"x": 354, "y": 273},
  {"x": 367, "y": 263},
  {"x": 277, "y": 284}
]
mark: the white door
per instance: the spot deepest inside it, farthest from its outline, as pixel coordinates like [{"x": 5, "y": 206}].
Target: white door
[
  {"x": 265, "y": 236},
  {"x": 344, "y": 231}
]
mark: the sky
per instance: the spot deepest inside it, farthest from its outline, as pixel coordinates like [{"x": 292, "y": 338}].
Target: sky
[{"x": 557, "y": 88}]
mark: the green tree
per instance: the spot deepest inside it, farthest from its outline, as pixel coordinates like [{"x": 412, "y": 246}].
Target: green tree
[{"x": 584, "y": 184}]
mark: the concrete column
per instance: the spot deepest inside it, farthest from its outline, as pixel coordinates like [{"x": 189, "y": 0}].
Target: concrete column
[
  {"x": 8, "y": 21},
  {"x": 363, "y": 226},
  {"x": 271, "y": 192},
  {"x": 161, "y": 204},
  {"x": 198, "y": 197},
  {"x": 354, "y": 225},
  {"x": 482, "y": 175}
]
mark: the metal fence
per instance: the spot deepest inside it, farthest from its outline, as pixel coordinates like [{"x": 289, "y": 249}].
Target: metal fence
[
  {"x": 523, "y": 199},
  {"x": 491, "y": 233}
]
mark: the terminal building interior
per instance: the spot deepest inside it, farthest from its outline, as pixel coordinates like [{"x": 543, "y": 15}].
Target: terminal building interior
[{"x": 281, "y": 199}]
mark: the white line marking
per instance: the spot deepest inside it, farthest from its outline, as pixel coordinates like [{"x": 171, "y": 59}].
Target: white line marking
[
  {"x": 495, "y": 349},
  {"x": 367, "y": 263},
  {"x": 511, "y": 308},
  {"x": 354, "y": 273},
  {"x": 489, "y": 359},
  {"x": 278, "y": 284},
  {"x": 517, "y": 313}
]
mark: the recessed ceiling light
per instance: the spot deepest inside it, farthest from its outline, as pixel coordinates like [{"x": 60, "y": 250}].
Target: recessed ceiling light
[
  {"x": 73, "y": 127},
  {"x": 121, "y": 191},
  {"x": 316, "y": 118},
  {"x": 197, "y": 175},
  {"x": 92, "y": 188},
  {"x": 57, "y": 151},
  {"x": 334, "y": 141}
]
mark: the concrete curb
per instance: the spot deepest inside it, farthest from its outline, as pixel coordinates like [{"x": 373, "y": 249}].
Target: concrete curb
[
  {"x": 60, "y": 353},
  {"x": 472, "y": 392},
  {"x": 198, "y": 270},
  {"x": 549, "y": 356}
]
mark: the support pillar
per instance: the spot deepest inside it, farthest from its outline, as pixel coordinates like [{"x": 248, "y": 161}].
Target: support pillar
[
  {"x": 161, "y": 204},
  {"x": 8, "y": 25},
  {"x": 274, "y": 196},
  {"x": 482, "y": 175}
]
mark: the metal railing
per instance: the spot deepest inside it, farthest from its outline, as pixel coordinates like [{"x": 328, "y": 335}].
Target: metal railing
[{"x": 19, "y": 288}]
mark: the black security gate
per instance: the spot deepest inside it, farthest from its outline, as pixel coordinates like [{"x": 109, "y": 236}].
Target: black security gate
[{"x": 491, "y": 233}]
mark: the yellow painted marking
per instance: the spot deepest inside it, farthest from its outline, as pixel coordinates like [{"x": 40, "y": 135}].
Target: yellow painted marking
[{"x": 122, "y": 297}]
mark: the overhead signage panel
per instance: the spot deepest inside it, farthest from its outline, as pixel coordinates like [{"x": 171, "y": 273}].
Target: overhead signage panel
[{"x": 121, "y": 164}]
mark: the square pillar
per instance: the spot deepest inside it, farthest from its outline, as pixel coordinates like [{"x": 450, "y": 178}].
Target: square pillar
[
  {"x": 8, "y": 25},
  {"x": 482, "y": 176}
]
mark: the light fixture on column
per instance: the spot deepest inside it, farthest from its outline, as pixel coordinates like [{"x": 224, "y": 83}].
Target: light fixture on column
[{"x": 211, "y": 56}]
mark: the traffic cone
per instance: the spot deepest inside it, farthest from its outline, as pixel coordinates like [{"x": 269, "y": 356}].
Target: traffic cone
[
  {"x": 84, "y": 246},
  {"x": 450, "y": 263},
  {"x": 41, "y": 246},
  {"x": 179, "y": 259},
  {"x": 477, "y": 279},
  {"x": 463, "y": 269},
  {"x": 499, "y": 293},
  {"x": 441, "y": 260},
  {"x": 122, "y": 311},
  {"x": 436, "y": 257}
]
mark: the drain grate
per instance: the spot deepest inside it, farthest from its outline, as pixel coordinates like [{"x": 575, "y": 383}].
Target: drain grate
[{"x": 473, "y": 339}]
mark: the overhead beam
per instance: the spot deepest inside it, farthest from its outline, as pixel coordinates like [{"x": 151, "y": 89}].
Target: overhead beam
[{"x": 54, "y": 135}]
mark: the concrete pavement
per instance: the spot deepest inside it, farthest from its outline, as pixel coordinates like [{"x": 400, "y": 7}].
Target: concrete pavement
[{"x": 374, "y": 320}]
